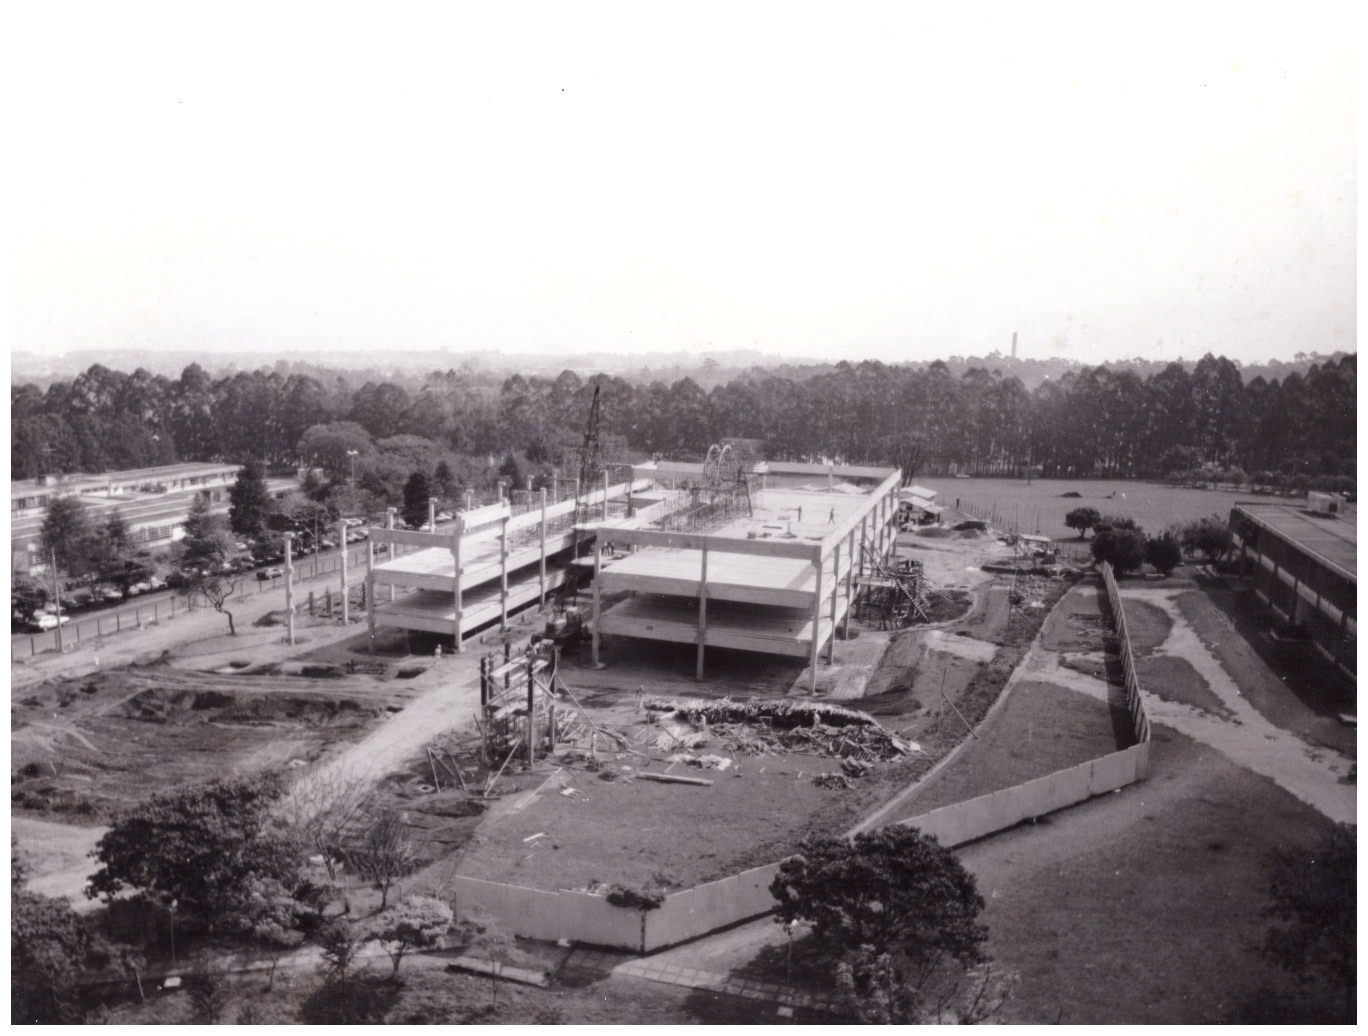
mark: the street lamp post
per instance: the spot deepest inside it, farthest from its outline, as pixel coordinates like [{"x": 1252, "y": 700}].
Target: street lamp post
[{"x": 351, "y": 455}]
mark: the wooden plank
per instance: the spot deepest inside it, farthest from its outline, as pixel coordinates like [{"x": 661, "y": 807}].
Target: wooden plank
[{"x": 670, "y": 778}]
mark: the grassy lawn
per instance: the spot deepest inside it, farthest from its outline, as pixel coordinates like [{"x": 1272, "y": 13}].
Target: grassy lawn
[{"x": 1040, "y": 506}]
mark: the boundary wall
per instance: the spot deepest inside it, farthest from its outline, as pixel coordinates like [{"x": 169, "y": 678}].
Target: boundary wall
[{"x": 688, "y": 914}]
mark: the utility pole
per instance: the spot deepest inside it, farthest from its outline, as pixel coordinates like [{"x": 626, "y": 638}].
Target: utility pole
[
  {"x": 57, "y": 599},
  {"x": 289, "y": 586}
]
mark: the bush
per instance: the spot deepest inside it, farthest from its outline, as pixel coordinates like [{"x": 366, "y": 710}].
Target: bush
[
  {"x": 1123, "y": 549},
  {"x": 415, "y": 923},
  {"x": 1163, "y": 553},
  {"x": 1209, "y": 537}
]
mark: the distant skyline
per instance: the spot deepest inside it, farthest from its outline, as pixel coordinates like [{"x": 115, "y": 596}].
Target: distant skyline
[{"x": 893, "y": 181}]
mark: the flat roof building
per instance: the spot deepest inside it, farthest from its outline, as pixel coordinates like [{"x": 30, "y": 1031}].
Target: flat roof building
[
  {"x": 1303, "y": 566},
  {"x": 153, "y": 501}
]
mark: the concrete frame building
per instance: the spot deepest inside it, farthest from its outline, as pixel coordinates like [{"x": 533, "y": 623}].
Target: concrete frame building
[
  {"x": 1303, "y": 566},
  {"x": 486, "y": 563},
  {"x": 776, "y": 588}
]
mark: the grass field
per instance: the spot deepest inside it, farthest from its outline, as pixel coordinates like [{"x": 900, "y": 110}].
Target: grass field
[{"x": 1041, "y": 507}]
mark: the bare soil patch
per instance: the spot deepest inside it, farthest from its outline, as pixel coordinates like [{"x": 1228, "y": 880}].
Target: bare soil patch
[{"x": 91, "y": 746}]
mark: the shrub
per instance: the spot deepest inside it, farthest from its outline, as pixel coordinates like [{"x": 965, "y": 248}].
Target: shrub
[
  {"x": 1163, "y": 553},
  {"x": 1123, "y": 549}
]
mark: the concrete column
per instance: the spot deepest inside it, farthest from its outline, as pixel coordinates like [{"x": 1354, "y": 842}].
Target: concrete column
[
  {"x": 816, "y": 621},
  {"x": 541, "y": 571},
  {"x": 702, "y": 613},
  {"x": 864, "y": 536},
  {"x": 346, "y": 597},
  {"x": 850, "y": 572},
  {"x": 598, "y": 592},
  {"x": 605, "y": 496},
  {"x": 835, "y": 588},
  {"x": 289, "y": 586},
  {"x": 456, "y": 555},
  {"x": 469, "y": 499},
  {"x": 432, "y": 514},
  {"x": 555, "y": 487},
  {"x": 393, "y": 547},
  {"x": 370, "y": 592}
]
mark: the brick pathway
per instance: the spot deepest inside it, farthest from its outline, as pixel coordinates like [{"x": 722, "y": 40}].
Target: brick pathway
[{"x": 586, "y": 963}]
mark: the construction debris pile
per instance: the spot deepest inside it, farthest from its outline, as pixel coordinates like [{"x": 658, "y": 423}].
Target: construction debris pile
[{"x": 765, "y": 727}]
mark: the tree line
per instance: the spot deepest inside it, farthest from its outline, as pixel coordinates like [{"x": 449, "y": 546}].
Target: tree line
[{"x": 1101, "y": 421}]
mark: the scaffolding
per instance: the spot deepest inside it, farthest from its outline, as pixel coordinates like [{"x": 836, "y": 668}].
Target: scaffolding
[
  {"x": 725, "y": 492},
  {"x": 893, "y": 595}
]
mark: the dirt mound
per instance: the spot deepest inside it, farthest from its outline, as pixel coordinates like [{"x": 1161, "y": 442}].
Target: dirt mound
[
  {"x": 934, "y": 532},
  {"x": 160, "y": 705}
]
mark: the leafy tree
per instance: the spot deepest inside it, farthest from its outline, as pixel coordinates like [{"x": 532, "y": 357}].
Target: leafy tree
[
  {"x": 415, "y": 923},
  {"x": 117, "y": 559},
  {"x": 1314, "y": 897},
  {"x": 1082, "y": 519},
  {"x": 337, "y": 947},
  {"x": 271, "y": 917},
  {"x": 878, "y": 991},
  {"x": 444, "y": 482},
  {"x": 313, "y": 485},
  {"x": 48, "y": 947},
  {"x": 1164, "y": 553},
  {"x": 417, "y": 492},
  {"x": 387, "y": 854},
  {"x": 203, "y": 555},
  {"x": 250, "y": 501},
  {"x": 511, "y": 470},
  {"x": 894, "y": 890},
  {"x": 67, "y": 531},
  {"x": 328, "y": 446},
  {"x": 203, "y": 845},
  {"x": 208, "y": 994},
  {"x": 1124, "y": 549},
  {"x": 1209, "y": 537},
  {"x": 18, "y": 865},
  {"x": 27, "y": 595}
]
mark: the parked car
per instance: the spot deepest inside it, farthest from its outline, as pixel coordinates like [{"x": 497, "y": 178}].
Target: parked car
[
  {"x": 110, "y": 593},
  {"x": 156, "y": 583},
  {"x": 273, "y": 573},
  {"x": 353, "y": 522},
  {"x": 328, "y": 544},
  {"x": 445, "y": 516},
  {"x": 49, "y": 622}
]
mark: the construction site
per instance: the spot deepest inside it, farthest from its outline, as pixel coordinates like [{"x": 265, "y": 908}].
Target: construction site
[{"x": 605, "y": 719}]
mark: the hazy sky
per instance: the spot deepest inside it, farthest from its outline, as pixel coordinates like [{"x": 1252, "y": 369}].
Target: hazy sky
[{"x": 893, "y": 180}]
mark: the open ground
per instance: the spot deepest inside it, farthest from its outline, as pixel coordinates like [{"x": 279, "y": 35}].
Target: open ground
[
  {"x": 1095, "y": 907},
  {"x": 1040, "y": 506}
]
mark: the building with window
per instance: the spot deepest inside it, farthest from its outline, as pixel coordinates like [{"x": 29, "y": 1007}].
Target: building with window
[
  {"x": 153, "y": 501},
  {"x": 1302, "y": 564}
]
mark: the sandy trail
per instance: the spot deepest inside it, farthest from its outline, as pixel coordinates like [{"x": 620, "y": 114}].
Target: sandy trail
[{"x": 1314, "y": 774}]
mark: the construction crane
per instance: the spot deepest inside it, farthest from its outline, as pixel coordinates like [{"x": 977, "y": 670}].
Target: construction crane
[{"x": 591, "y": 465}]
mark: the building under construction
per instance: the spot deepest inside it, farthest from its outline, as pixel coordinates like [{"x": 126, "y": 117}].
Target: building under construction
[
  {"x": 762, "y": 560},
  {"x": 725, "y": 553}
]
